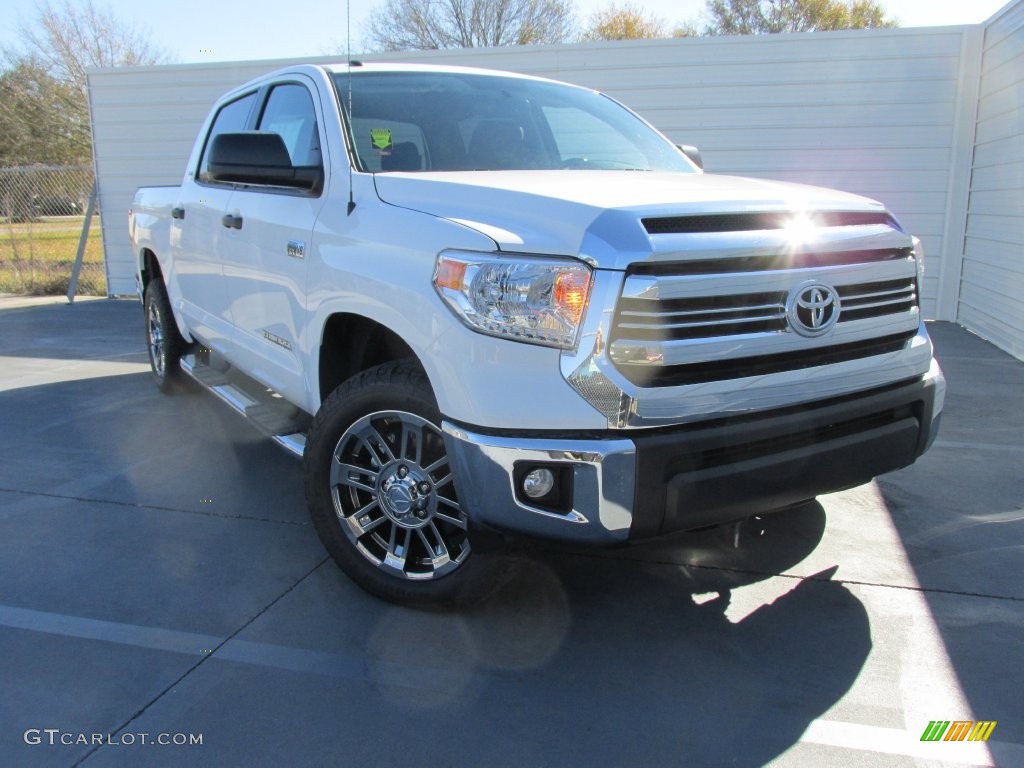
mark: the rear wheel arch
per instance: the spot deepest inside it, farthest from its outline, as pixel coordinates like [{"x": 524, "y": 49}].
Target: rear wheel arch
[
  {"x": 150, "y": 271},
  {"x": 149, "y": 267}
]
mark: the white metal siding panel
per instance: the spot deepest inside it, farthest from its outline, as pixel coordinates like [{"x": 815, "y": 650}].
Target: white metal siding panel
[
  {"x": 992, "y": 283},
  {"x": 872, "y": 112}
]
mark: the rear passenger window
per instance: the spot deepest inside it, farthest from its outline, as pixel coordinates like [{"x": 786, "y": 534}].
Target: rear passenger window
[
  {"x": 290, "y": 114},
  {"x": 231, "y": 118}
]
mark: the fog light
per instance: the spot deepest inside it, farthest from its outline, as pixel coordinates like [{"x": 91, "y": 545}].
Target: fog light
[{"x": 538, "y": 483}]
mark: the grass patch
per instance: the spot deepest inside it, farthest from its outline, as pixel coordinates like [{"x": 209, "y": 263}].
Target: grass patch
[{"x": 36, "y": 257}]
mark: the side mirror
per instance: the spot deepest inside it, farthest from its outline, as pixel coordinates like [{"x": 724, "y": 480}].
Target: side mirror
[
  {"x": 258, "y": 157},
  {"x": 692, "y": 153}
]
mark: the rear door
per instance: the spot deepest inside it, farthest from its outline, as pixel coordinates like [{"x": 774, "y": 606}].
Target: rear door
[{"x": 265, "y": 258}]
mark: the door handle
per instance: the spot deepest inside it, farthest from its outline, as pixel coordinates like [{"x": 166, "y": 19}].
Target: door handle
[
  {"x": 177, "y": 212},
  {"x": 231, "y": 222}
]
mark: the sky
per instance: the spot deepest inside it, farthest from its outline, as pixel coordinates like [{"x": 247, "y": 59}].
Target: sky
[{"x": 226, "y": 30}]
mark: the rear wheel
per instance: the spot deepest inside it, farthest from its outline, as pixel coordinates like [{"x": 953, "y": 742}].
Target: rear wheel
[
  {"x": 163, "y": 340},
  {"x": 381, "y": 493}
]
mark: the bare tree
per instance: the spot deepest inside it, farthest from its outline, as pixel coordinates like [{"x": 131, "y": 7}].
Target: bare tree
[
  {"x": 755, "y": 17},
  {"x": 69, "y": 37},
  {"x": 44, "y": 76},
  {"x": 628, "y": 22},
  {"x": 401, "y": 25}
]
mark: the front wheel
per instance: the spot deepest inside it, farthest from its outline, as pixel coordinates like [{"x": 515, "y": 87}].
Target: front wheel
[{"x": 381, "y": 492}]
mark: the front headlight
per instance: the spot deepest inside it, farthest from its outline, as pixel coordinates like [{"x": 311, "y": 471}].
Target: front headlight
[{"x": 537, "y": 300}]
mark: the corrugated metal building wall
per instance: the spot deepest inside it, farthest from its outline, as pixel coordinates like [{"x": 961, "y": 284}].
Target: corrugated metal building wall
[
  {"x": 991, "y": 295},
  {"x": 885, "y": 113}
]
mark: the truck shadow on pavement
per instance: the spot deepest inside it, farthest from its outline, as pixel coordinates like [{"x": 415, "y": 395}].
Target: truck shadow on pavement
[{"x": 621, "y": 658}]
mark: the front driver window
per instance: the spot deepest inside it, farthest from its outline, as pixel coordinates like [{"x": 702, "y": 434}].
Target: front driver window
[{"x": 290, "y": 113}]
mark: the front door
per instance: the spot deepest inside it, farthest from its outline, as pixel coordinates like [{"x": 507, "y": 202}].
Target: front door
[{"x": 265, "y": 258}]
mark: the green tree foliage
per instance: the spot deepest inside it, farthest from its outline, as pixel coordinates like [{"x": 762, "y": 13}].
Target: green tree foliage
[
  {"x": 44, "y": 112},
  {"x": 756, "y": 17},
  {"x": 402, "y": 25},
  {"x": 40, "y": 119},
  {"x": 627, "y": 22}
]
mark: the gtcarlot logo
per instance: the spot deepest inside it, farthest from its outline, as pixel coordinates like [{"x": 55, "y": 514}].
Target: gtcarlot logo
[
  {"x": 55, "y": 737},
  {"x": 958, "y": 730}
]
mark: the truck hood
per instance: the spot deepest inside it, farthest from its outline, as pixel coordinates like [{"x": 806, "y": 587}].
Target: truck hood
[{"x": 598, "y": 214}]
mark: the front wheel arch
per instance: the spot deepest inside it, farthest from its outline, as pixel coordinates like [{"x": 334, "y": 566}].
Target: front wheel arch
[{"x": 353, "y": 343}]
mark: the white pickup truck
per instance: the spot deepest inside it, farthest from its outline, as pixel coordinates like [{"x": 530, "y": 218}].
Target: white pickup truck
[{"x": 477, "y": 302}]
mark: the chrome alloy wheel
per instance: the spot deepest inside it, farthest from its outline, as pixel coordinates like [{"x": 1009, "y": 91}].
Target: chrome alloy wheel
[
  {"x": 392, "y": 490},
  {"x": 156, "y": 339}
]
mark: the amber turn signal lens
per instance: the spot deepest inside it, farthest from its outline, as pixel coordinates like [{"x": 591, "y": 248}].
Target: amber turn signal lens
[
  {"x": 450, "y": 274},
  {"x": 572, "y": 289}
]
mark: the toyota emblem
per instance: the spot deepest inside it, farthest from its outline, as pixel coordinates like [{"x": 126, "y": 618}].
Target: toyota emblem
[{"x": 812, "y": 308}]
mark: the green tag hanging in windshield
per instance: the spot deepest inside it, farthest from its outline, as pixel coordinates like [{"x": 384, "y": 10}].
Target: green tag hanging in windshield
[{"x": 381, "y": 138}]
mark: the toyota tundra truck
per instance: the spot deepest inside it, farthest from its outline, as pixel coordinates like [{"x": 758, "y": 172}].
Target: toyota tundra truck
[{"x": 480, "y": 304}]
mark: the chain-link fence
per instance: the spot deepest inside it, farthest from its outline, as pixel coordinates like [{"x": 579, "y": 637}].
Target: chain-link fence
[{"x": 42, "y": 214}]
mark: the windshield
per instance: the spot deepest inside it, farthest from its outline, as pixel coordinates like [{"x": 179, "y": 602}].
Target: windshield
[{"x": 447, "y": 121}]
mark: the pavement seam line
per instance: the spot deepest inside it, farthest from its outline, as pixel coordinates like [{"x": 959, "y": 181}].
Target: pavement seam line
[
  {"x": 797, "y": 577},
  {"x": 153, "y": 507},
  {"x": 974, "y": 445},
  {"x": 203, "y": 659},
  {"x": 925, "y": 590}
]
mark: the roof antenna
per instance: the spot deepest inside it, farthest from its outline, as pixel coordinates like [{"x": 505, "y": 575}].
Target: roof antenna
[{"x": 351, "y": 135}]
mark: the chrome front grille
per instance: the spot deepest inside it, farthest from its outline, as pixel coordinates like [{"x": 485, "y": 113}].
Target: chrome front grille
[
  {"x": 877, "y": 299},
  {"x": 700, "y": 317},
  {"x": 678, "y": 326},
  {"x": 708, "y": 316}
]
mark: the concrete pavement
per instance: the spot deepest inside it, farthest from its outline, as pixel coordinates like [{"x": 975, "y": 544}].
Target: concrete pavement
[{"x": 158, "y": 576}]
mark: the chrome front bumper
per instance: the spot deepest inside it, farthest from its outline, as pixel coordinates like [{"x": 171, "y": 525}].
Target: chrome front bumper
[{"x": 652, "y": 483}]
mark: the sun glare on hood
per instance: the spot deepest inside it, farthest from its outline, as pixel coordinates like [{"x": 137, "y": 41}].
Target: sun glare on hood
[{"x": 800, "y": 229}]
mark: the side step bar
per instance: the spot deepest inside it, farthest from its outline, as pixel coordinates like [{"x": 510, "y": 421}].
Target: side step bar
[{"x": 267, "y": 411}]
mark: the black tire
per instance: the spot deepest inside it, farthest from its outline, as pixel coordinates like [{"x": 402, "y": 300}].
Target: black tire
[
  {"x": 164, "y": 342},
  {"x": 381, "y": 495}
]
